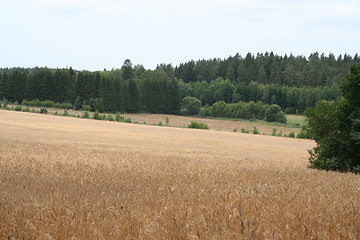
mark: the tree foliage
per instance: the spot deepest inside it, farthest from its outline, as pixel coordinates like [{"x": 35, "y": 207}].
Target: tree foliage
[
  {"x": 335, "y": 126},
  {"x": 275, "y": 114},
  {"x": 292, "y": 82},
  {"x": 242, "y": 110},
  {"x": 190, "y": 106}
]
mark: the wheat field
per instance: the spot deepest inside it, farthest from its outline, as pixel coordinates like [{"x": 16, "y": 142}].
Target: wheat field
[{"x": 69, "y": 178}]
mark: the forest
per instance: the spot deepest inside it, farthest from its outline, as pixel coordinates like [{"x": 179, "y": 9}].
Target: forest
[{"x": 295, "y": 83}]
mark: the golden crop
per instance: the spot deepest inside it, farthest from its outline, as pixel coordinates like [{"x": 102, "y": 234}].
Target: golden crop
[{"x": 68, "y": 178}]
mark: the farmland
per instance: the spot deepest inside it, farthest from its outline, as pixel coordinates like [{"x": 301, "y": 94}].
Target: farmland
[{"x": 70, "y": 178}]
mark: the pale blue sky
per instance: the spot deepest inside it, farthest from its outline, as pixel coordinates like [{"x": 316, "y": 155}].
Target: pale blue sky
[{"x": 98, "y": 34}]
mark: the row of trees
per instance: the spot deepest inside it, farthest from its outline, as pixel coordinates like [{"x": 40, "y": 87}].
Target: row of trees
[
  {"x": 153, "y": 92},
  {"x": 134, "y": 89},
  {"x": 294, "y": 71},
  {"x": 292, "y": 98}
]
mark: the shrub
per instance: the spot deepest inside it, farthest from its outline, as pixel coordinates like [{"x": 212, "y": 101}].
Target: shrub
[
  {"x": 96, "y": 115},
  {"x": 77, "y": 104},
  {"x": 110, "y": 117},
  {"x": 47, "y": 103},
  {"x": 273, "y": 132},
  {"x": 18, "y": 108},
  {"x": 65, "y": 113},
  {"x": 118, "y": 117},
  {"x": 167, "y": 121},
  {"x": 63, "y": 105},
  {"x": 198, "y": 125},
  {"x": 274, "y": 114},
  {"x": 243, "y": 130},
  {"x": 86, "y": 107},
  {"x": 206, "y": 111},
  {"x": 128, "y": 120},
  {"x": 190, "y": 106},
  {"x": 290, "y": 111},
  {"x": 291, "y": 135},
  {"x": 43, "y": 110},
  {"x": 303, "y": 134},
  {"x": 85, "y": 115},
  {"x": 255, "y": 131}
]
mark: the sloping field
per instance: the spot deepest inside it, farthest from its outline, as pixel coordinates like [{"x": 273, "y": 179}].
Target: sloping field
[
  {"x": 227, "y": 125},
  {"x": 69, "y": 178}
]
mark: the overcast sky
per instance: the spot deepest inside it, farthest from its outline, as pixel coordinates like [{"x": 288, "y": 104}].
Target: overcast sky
[{"x": 98, "y": 34}]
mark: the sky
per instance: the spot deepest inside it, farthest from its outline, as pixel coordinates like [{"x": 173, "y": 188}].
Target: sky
[{"x": 97, "y": 34}]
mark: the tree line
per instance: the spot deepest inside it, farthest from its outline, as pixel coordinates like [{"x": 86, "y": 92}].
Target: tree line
[
  {"x": 290, "y": 99},
  {"x": 293, "y": 83},
  {"x": 154, "y": 92},
  {"x": 269, "y": 68}
]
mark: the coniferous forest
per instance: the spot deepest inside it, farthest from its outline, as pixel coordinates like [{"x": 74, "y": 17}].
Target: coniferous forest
[{"x": 292, "y": 82}]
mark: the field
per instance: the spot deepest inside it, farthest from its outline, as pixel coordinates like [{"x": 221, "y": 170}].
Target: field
[
  {"x": 70, "y": 178},
  {"x": 295, "y": 122},
  {"x": 228, "y": 125}
]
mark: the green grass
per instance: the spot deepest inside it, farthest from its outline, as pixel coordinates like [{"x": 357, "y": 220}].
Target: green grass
[{"x": 297, "y": 120}]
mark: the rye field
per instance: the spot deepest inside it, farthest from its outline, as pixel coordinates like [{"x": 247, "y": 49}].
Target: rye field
[{"x": 71, "y": 178}]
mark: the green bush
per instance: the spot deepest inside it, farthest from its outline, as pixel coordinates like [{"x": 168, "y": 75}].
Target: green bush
[
  {"x": 255, "y": 131},
  {"x": 198, "y": 125},
  {"x": 65, "y": 113},
  {"x": 77, "y": 104},
  {"x": 118, "y": 117},
  {"x": 274, "y": 114},
  {"x": 190, "y": 106},
  {"x": 86, "y": 107},
  {"x": 273, "y": 132},
  {"x": 43, "y": 110},
  {"x": 291, "y": 135},
  {"x": 96, "y": 115},
  {"x": 85, "y": 115},
  {"x": 63, "y": 105},
  {"x": 110, "y": 117},
  {"x": 290, "y": 111},
  {"x": 243, "y": 130},
  {"x": 48, "y": 103},
  {"x": 243, "y": 110},
  {"x": 18, "y": 108},
  {"x": 303, "y": 134}
]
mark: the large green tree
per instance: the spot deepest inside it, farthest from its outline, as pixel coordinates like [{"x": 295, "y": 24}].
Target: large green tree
[{"x": 335, "y": 126}]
